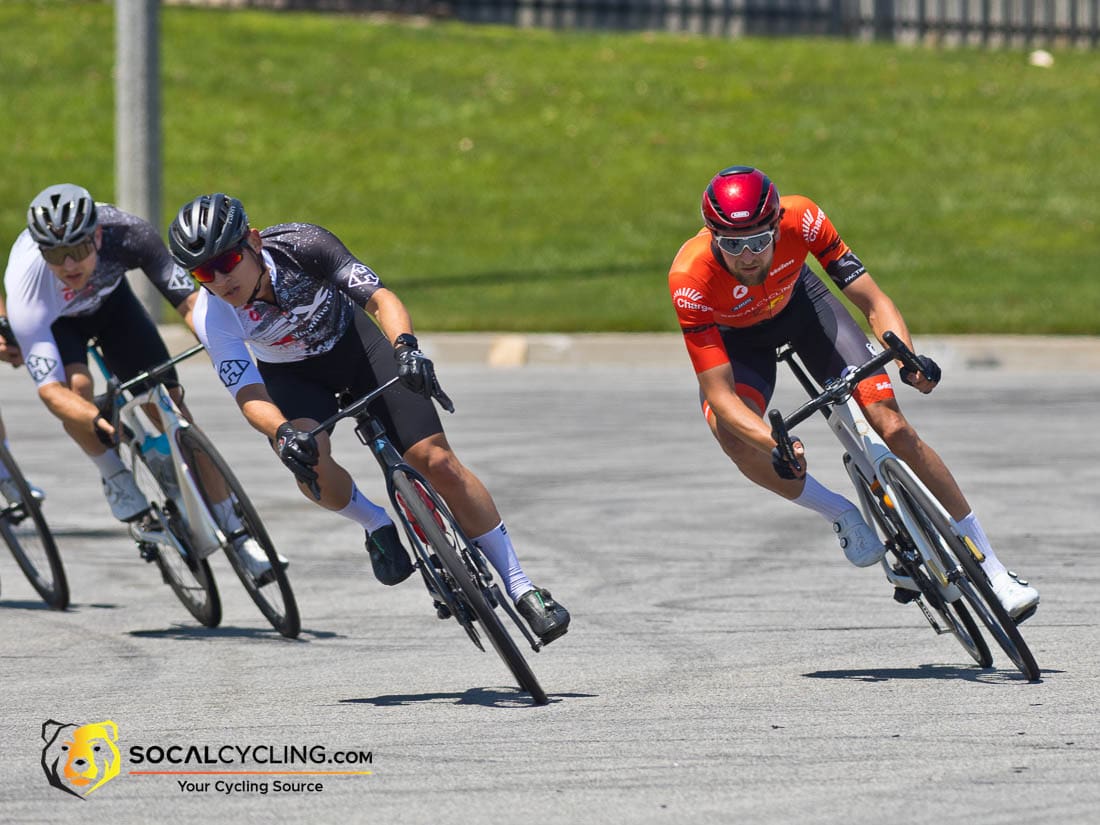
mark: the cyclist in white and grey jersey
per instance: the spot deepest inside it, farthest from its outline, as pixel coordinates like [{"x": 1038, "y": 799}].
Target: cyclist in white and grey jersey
[
  {"x": 66, "y": 285},
  {"x": 295, "y": 296}
]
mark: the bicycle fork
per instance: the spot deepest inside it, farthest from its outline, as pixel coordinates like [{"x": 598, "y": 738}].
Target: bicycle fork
[
  {"x": 864, "y": 459},
  {"x": 205, "y": 535}
]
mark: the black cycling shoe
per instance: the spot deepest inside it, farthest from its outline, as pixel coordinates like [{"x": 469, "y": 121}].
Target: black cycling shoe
[
  {"x": 388, "y": 556},
  {"x": 547, "y": 618}
]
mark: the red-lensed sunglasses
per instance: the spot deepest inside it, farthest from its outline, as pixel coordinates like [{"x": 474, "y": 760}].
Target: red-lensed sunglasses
[{"x": 224, "y": 263}]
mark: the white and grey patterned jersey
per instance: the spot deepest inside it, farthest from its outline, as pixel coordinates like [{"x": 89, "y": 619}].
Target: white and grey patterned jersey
[
  {"x": 36, "y": 297},
  {"x": 318, "y": 286}
]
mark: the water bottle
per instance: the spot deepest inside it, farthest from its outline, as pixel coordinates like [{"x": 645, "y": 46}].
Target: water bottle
[{"x": 158, "y": 455}]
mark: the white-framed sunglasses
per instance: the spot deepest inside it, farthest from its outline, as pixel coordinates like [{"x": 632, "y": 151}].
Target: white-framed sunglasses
[{"x": 754, "y": 243}]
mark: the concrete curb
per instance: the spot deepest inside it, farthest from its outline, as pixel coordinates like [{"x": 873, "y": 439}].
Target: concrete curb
[{"x": 1020, "y": 353}]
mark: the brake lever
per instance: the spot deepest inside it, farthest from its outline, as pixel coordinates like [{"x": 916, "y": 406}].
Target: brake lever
[
  {"x": 904, "y": 354},
  {"x": 782, "y": 437}
]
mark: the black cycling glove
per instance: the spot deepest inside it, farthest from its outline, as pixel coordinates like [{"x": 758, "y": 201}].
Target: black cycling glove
[
  {"x": 6, "y": 332},
  {"x": 414, "y": 368},
  {"x": 417, "y": 372},
  {"x": 784, "y": 468},
  {"x": 298, "y": 451},
  {"x": 929, "y": 367}
]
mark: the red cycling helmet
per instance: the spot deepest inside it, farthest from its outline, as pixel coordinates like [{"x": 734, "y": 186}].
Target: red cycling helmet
[{"x": 740, "y": 199}]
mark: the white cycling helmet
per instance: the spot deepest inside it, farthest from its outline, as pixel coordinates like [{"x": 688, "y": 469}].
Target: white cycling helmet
[{"x": 61, "y": 215}]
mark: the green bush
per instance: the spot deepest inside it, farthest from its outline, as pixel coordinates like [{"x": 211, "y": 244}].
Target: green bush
[{"x": 511, "y": 179}]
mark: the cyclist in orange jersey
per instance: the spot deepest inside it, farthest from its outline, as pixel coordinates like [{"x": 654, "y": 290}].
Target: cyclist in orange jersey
[{"x": 742, "y": 288}]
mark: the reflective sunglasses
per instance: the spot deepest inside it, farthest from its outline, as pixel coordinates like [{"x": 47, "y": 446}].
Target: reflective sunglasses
[
  {"x": 225, "y": 263},
  {"x": 754, "y": 243},
  {"x": 78, "y": 252}
]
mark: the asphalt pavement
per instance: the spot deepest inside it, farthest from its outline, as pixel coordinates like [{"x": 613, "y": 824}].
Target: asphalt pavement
[{"x": 725, "y": 661}]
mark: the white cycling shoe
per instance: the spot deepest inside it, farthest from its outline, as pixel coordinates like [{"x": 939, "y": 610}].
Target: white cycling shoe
[
  {"x": 11, "y": 491},
  {"x": 1017, "y": 597},
  {"x": 256, "y": 561},
  {"x": 860, "y": 543},
  {"x": 122, "y": 493}
]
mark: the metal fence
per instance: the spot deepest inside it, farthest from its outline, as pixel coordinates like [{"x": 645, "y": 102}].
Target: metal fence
[{"x": 990, "y": 23}]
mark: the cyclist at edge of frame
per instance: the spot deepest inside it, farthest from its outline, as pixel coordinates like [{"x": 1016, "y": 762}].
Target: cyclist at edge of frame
[
  {"x": 741, "y": 288},
  {"x": 296, "y": 297},
  {"x": 66, "y": 285},
  {"x": 11, "y": 354}
]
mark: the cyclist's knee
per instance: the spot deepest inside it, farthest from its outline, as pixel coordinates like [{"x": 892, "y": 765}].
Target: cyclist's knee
[
  {"x": 895, "y": 430},
  {"x": 438, "y": 463}
]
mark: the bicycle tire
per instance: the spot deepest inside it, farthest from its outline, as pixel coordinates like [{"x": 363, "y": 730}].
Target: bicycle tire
[
  {"x": 189, "y": 577},
  {"x": 955, "y": 615},
  {"x": 971, "y": 580},
  {"x": 34, "y": 549},
  {"x": 275, "y": 599},
  {"x": 416, "y": 492}
]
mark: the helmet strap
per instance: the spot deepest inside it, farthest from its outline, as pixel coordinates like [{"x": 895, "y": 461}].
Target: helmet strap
[{"x": 259, "y": 280}]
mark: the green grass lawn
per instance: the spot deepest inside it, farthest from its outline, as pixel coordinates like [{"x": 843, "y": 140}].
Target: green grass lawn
[{"x": 503, "y": 179}]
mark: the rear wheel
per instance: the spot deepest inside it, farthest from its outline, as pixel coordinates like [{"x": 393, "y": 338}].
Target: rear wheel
[
  {"x": 969, "y": 577},
  {"x": 189, "y": 576},
  {"x": 434, "y": 523},
  {"x": 273, "y": 594},
  {"x": 28, "y": 536},
  {"x": 954, "y": 614}
]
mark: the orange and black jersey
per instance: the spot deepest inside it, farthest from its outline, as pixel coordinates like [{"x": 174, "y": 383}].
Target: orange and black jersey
[{"x": 707, "y": 297}]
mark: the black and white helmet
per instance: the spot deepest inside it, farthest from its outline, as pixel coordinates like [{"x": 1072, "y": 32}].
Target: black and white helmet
[
  {"x": 61, "y": 215},
  {"x": 205, "y": 228}
]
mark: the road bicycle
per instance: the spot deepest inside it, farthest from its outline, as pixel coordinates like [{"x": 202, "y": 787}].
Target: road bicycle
[
  {"x": 454, "y": 571},
  {"x": 196, "y": 504},
  {"x": 28, "y": 536},
  {"x": 928, "y": 561}
]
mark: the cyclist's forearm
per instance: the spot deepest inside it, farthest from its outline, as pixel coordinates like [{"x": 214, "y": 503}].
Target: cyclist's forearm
[
  {"x": 888, "y": 319},
  {"x": 390, "y": 314},
  {"x": 733, "y": 413},
  {"x": 739, "y": 419},
  {"x": 186, "y": 309},
  {"x": 259, "y": 410},
  {"x": 880, "y": 310},
  {"x": 67, "y": 405}
]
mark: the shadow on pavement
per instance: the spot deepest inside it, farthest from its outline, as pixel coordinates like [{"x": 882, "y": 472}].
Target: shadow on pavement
[
  {"x": 18, "y": 604},
  {"x": 970, "y": 674},
  {"x": 485, "y": 697},
  {"x": 192, "y": 632}
]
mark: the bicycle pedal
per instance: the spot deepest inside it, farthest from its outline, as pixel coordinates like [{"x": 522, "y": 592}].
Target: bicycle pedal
[
  {"x": 904, "y": 596},
  {"x": 442, "y": 611}
]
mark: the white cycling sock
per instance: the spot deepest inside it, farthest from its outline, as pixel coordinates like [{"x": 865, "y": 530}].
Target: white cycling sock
[
  {"x": 498, "y": 549},
  {"x": 108, "y": 464},
  {"x": 364, "y": 512},
  {"x": 969, "y": 526},
  {"x": 822, "y": 500}
]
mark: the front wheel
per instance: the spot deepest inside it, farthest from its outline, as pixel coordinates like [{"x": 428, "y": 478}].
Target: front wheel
[
  {"x": 431, "y": 521},
  {"x": 236, "y": 517},
  {"x": 28, "y": 536},
  {"x": 164, "y": 539},
  {"x": 965, "y": 570},
  {"x": 891, "y": 529}
]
